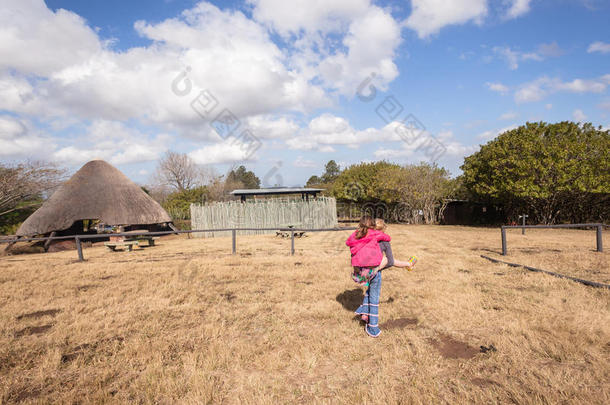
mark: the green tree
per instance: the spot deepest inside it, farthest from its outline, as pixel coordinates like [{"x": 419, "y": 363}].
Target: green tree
[
  {"x": 313, "y": 181},
  {"x": 331, "y": 172},
  {"x": 550, "y": 171},
  {"x": 245, "y": 177},
  {"x": 404, "y": 191},
  {"x": 178, "y": 203},
  {"x": 417, "y": 188},
  {"x": 359, "y": 183}
]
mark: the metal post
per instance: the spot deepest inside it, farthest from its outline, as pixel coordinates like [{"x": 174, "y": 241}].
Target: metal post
[
  {"x": 600, "y": 244},
  {"x": 523, "y": 229},
  {"x": 233, "y": 241},
  {"x": 503, "y": 241},
  {"x": 79, "y": 249},
  {"x": 291, "y": 242}
]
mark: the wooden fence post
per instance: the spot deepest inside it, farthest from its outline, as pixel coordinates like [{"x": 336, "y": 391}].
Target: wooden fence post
[
  {"x": 600, "y": 243},
  {"x": 503, "y": 241},
  {"x": 79, "y": 249},
  {"x": 292, "y": 242},
  {"x": 233, "y": 241}
]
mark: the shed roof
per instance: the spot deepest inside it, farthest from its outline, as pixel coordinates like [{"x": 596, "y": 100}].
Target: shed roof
[{"x": 276, "y": 190}]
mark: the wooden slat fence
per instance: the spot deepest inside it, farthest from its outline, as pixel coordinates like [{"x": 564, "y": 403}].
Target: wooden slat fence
[{"x": 269, "y": 213}]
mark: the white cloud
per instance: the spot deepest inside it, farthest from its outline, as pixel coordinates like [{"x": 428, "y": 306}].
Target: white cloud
[
  {"x": 497, "y": 87},
  {"x": 302, "y": 162},
  {"x": 513, "y": 57},
  {"x": 550, "y": 50},
  {"x": 489, "y": 135},
  {"x": 70, "y": 75},
  {"x": 510, "y": 115},
  {"x": 229, "y": 151},
  {"x": 328, "y": 130},
  {"x": 269, "y": 127},
  {"x": 541, "y": 87},
  {"x": 518, "y": 8},
  {"x": 292, "y": 17},
  {"x": 228, "y": 54},
  {"x": 73, "y": 156},
  {"x": 428, "y": 17},
  {"x": 371, "y": 43},
  {"x": 36, "y": 40},
  {"x": 548, "y": 106},
  {"x": 416, "y": 149},
  {"x": 364, "y": 39},
  {"x": 599, "y": 46},
  {"x": 112, "y": 141},
  {"x": 579, "y": 115},
  {"x": 19, "y": 139}
]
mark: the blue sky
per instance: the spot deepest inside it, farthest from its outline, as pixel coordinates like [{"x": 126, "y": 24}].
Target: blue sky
[{"x": 84, "y": 80}]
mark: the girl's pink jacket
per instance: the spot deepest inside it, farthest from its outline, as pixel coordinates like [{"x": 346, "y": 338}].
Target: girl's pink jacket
[{"x": 366, "y": 251}]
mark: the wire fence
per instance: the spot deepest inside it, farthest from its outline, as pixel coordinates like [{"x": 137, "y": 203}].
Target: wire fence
[
  {"x": 232, "y": 231},
  {"x": 598, "y": 226}
]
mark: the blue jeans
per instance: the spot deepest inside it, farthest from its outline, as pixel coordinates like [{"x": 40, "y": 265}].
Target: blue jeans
[{"x": 370, "y": 306}]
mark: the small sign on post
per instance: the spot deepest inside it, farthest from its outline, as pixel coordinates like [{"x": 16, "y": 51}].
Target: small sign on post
[{"x": 523, "y": 229}]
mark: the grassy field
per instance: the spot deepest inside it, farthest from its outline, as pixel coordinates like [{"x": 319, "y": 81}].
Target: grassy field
[{"x": 186, "y": 321}]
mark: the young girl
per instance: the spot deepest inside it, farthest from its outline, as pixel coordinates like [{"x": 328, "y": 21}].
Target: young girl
[
  {"x": 367, "y": 259},
  {"x": 387, "y": 249}
]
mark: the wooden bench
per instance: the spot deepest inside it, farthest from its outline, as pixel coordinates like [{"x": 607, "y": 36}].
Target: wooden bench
[
  {"x": 125, "y": 245},
  {"x": 141, "y": 238}
]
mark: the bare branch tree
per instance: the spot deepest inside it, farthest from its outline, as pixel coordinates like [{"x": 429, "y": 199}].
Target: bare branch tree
[
  {"x": 24, "y": 185},
  {"x": 178, "y": 171}
]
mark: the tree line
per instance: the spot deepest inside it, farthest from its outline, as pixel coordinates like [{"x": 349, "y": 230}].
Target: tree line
[{"x": 553, "y": 172}]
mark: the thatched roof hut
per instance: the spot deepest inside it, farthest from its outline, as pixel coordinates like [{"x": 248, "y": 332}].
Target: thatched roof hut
[{"x": 97, "y": 191}]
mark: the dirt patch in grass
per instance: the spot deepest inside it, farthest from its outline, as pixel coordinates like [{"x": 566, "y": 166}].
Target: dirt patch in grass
[
  {"x": 483, "y": 382},
  {"x": 399, "y": 323},
  {"x": 21, "y": 394},
  {"x": 38, "y": 314},
  {"x": 88, "y": 350},
  {"x": 79, "y": 350},
  {"x": 451, "y": 348},
  {"x": 228, "y": 296},
  {"x": 62, "y": 245},
  {"x": 33, "y": 330},
  {"x": 86, "y": 287},
  {"x": 350, "y": 299},
  {"x": 25, "y": 248}
]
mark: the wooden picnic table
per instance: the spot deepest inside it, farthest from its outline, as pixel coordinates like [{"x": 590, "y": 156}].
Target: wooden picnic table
[
  {"x": 141, "y": 238},
  {"x": 128, "y": 242},
  {"x": 125, "y": 245}
]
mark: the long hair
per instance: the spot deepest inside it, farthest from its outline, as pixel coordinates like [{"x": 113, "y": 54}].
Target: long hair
[
  {"x": 366, "y": 223},
  {"x": 380, "y": 224}
]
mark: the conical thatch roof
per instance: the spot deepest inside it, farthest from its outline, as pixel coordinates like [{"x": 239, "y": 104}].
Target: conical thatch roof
[{"x": 97, "y": 191}]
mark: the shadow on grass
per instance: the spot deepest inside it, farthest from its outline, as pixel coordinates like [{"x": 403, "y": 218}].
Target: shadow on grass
[{"x": 351, "y": 299}]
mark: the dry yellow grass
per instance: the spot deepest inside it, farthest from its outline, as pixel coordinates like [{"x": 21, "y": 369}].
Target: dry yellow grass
[{"x": 188, "y": 322}]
